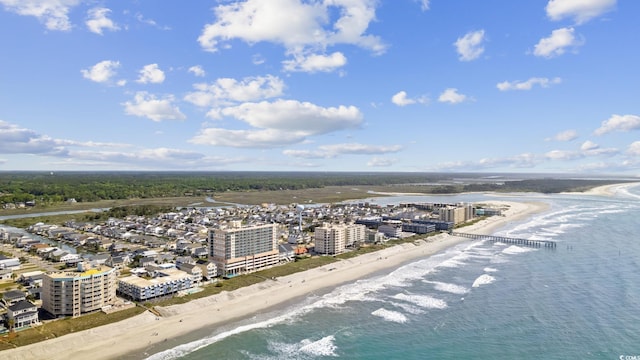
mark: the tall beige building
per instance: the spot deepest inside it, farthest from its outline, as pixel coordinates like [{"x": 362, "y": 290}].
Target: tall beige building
[
  {"x": 332, "y": 239},
  {"x": 456, "y": 214},
  {"x": 236, "y": 250},
  {"x": 73, "y": 293}
]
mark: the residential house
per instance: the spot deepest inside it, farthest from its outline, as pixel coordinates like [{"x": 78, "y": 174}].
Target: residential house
[
  {"x": 194, "y": 270},
  {"x": 209, "y": 270},
  {"x": 6, "y": 274},
  {"x": 23, "y": 313},
  {"x": 13, "y": 297},
  {"x": 9, "y": 263}
]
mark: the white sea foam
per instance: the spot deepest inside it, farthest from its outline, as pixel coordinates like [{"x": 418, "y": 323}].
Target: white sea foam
[
  {"x": 414, "y": 310},
  {"x": 389, "y": 315},
  {"x": 483, "y": 279},
  {"x": 490, "y": 269},
  {"x": 322, "y": 347},
  {"x": 447, "y": 287},
  {"x": 513, "y": 249},
  {"x": 423, "y": 301}
]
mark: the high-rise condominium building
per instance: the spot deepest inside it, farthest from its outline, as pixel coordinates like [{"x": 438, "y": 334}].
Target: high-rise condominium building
[
  {"x": 236, "y": 250},
  {"x": 73, "y": 293}
]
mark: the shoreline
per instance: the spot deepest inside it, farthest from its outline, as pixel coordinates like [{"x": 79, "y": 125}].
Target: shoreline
[{"x": 132, "y": 337}]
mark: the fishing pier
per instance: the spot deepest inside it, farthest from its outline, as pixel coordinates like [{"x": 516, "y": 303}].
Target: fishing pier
[{"x": 508, "y": 240}]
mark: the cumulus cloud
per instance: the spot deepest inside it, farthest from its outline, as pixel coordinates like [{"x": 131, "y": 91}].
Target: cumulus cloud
[
  {"x": 526, "y": 160},
  {"x": 293, "y": 115},
  {"x": 229, "y": 91},
  {"x": 634, "y": 148},
  {"x": 335, "y": 150},
  {"x": 528, "y": 84},
  {"x": 197, "y": 70},
  {"x": 17, "y": 140},
  {"x": 587, "y": 149},
  {"x": 566, "y": 135},
  {"x": 279, "y": 123},
  {"x": 101, "y": 72},
  {"x": 580, "y": 10},
  {"x": 557, "y": 43},
  {"x": 623, "y": 123},
  {"x": 301, "y": 27},
  {"x": 151, "y": 107},
  {"x": 98, "y": 21},
  {"x": 452, "y": 96},
  {"x": 151, "y": 74},
  {"x": 315, "y": 63},
  {"x": 588, "y": 145},
  {"x": 469, "y": 47},
  {"x": 381, "y": 162},
  {"x": 53, "y": 13},
  {"x": 401, "y": 99},
  {"x": 253, "y": 138}
]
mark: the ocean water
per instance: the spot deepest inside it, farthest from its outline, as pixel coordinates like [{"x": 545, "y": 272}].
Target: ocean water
[{"x": 479, "y": 300}]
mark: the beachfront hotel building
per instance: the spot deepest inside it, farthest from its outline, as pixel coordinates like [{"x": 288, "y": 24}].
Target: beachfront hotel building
[
  {"x": 456, "y": 214},
  {"x": 332, "y": 239},
  {"x": 73, "y": 293},
  {"x": 165, "y": 281},
  {"x": 237, "y": 249}
]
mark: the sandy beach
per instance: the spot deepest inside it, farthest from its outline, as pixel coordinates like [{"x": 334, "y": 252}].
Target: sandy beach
[{"x": 137, "y": 334}]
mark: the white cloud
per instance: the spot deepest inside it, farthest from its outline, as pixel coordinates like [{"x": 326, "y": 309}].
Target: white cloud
[
  {"x": 147, "y": 105},
  {"x": 53, "y": 13},
  {"x": 623, "y": 123},
  {"x": 151, "y": 74},
  {"x": 469, "y": 47},
  {"x": 293, "y": 115},
  {"x": 315, "y": 63},
  {"x": 263, "y": 138},
  {"x": 424, "y": 4},
  {"x": 557, "y": 43},
  {"x": 401, "y": 99},
  {"x": 588, "y": 145},
  {"x": 580, "y": 10},
  {"x": 452, "y": 96},
  {"x": 279, "y": 123},
  {"x": 335, "y": 150},
  {"x": 99, "y": 21},
  {"x": 381, "y": 162},
  {"x": 525, "y": 160},
  {"x": 228, "y": 91},
  {"x": 634, "y": 148},
  {"x": 566, "y": 135},
  {"x": 150, "y": 22},
  {"x": 587, "y": 149},
  {"x": 527, "y": 85},
  {"x": 101, "y": 72},
  {"x": 563, "y": 155},
  {"x": 301, "y": 27},
  {"x": 18, "y": 140},
  {"x": 197, "y": 70}
]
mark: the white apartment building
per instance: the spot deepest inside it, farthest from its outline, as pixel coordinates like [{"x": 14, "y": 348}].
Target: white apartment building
[
  {"x": 237, "y": 250},
  {"x": 330, "y": 239},
  {"x": 73, "y": 293},
  {"x": 166, "y": 281}
]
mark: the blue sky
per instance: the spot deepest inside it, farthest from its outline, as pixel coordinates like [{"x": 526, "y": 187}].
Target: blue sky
[{"x": 324, "y": 85}]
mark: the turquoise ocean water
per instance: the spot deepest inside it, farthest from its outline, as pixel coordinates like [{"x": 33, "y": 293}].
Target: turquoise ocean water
[{"x": 475, "y": 301}]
